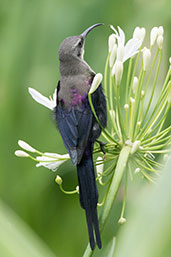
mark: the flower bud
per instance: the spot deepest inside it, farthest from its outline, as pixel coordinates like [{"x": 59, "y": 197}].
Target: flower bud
[
  {"x": 153, "y": 35},
  {"x": 58, "y": 180},
  {"x": 146, "y": 58},
  {"x": 126, "y": 107},
  {"x": 120, "y": 52},
  {"x": 78, "y": 189},
  {"x": 142, "y": 93},
  {"x": 113, "y": 55},
  {"x": 96, "y": 82},
  {"x": 134, "y": 86},
  {"x": 21, "y": 153},
  {"x": 99, "y": 167},
  {"x": 139, "y": 33},
  {"x": 135, "y": 146},
  {"x": 111, "y": 42},
  {"x": 160, "y": 42},
  {"x": 138, "y": 123},
  {"x": 160, "y": 31},
  {"x": 137, "y": 170},
  {"x": 118, "y": 72},
  {"x": 132, "y": 100},
  {"x": 26, "y": 146},
  {"x": 122, "y": 220},
  {"x": 112, "y": 114}
]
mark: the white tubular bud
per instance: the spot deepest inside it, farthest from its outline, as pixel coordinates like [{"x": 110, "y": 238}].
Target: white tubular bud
[
  {"x": 139, "y": 33},
  {"x": 111, "y": 42},
  {"x": 58, "y": 180},
  {"x": 120, "y": 53},
  {"x": 132, "y": 100},
  {"x": 146, "y": 58},
  {"x": 113, "y": 55},
  {"x": 135, "y": 146},
  {"x": 118, "y": 72},
  {"x": 134, "y": 86},
  {"x": 26, "y": 146},
  {"x": 160, "y": 31},
  {"x": 153, "y": 35},
  {"x": 20, "y": 153},
  {"x": 160, "y": 42},
  {"x": 96, "y": 82},
  {"x": 138, "y": 123},
  {"x": 143, "y": 33}
]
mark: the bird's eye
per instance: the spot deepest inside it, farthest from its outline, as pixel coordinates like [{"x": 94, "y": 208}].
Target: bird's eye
[{"x": 80, "y": 43}]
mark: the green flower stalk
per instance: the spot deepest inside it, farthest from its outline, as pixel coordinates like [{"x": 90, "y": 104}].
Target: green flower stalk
[{"x": 136, "y": 133}]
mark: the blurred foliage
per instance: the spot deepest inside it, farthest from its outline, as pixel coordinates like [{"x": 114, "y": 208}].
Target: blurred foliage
[{"x": 31, "y": 32}]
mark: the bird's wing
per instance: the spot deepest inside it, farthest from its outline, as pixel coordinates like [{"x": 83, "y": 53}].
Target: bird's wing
[{"x": 75, "y": 126}]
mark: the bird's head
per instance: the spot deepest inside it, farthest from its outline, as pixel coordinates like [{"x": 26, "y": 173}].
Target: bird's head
[{"x": 74, "y": 46}]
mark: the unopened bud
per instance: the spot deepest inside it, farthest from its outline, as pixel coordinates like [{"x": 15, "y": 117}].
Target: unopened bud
[
  {"x": 146, "y": 58},
  {"x": 120, "y": 53},
  {"x": 26, "y": 146},
  {"x": 112, "y": 114},
  {"x": 21, "y": 153},
  {"x": 138, "y": 123},
  {"x": 134, "y": 86},
  {"x": 160, "y": 42},
  {"x": 122, "y": 220},
  {"x": 118, "y": 72},
  {"x": 99, "y": 167},
  {"x": 142, "y": 93},
  {"x": 126, "y": 107},
  {"x": 111, "y": 42},
  {"x": 58, "y": 180},
  {"x": 139, "y": 33},
  {"x": 135, "y": 146},
  {"x": 132, "y": 100},
  {"x": 113, "y": 55},
  {"x": 153, "y": 35},
  {"x": 137, "y": 170},
  {"x": 96, "y": 82},
  {"x": 160, "y": 31}
]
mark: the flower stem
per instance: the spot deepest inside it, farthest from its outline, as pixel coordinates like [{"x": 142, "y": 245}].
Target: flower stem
[{"x": 113, "y": 189}]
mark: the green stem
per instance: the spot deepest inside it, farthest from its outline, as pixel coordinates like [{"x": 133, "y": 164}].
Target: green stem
[{"x": 113, "y": 189}]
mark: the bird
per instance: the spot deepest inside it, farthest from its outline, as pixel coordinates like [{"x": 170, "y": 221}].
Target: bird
[{"x": 77, "y": 124}]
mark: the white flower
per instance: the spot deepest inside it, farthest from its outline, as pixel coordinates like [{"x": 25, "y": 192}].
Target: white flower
[
  {"x": 52, "y": 160},
  {"x": 135, "y": 83},
  {"x": 128, "y": 50},
  {"x": 96, "y": 82},
  {"x": 113, "y": 55},
  {"x": 26, "y": 146},
  {"x": 41, "y": 99}
]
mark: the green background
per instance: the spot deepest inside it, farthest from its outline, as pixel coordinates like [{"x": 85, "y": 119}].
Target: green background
[{"x": 30, "y": 35}]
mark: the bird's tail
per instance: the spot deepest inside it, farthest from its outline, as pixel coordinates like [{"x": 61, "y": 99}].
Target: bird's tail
[{"x": 89, "y": 196}]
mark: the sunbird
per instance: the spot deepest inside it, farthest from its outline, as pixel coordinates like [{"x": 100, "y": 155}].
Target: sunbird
[{"x": 77, "y": 124}]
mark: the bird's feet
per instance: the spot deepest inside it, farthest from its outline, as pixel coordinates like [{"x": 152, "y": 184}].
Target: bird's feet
[{"x": 101, "y": 144}]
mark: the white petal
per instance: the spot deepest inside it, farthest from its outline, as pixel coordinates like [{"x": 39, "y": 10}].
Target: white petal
[
  {"x": 21, "y": 153},
  {"x": 41, "y": 99},
  {"x": 131, "y": 48},
  {"x": 120, "y": 53},
  {"x": 51, "y": 160},
  {"x": 116, "y": 33},
  {"x": 121, "y": 39},
  {"x": 99, "y": 167},
  {"x": 54, "y": 97}
]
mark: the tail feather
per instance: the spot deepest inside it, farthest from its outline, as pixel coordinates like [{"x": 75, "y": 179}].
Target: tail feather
[{"x": 89, "y": 196}]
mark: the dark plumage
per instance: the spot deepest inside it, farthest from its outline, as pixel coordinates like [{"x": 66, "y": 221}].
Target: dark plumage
[{"x": 77, "y": 125}]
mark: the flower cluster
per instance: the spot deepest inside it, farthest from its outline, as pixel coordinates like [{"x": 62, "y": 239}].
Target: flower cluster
[{"x": 136, "y": 116}]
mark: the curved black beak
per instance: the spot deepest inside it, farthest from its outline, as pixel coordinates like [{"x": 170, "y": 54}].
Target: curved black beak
[{"x": 84, "y": 34}]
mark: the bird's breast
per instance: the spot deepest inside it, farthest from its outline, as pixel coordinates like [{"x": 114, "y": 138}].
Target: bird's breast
[{"x": 74, "y": 91}]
